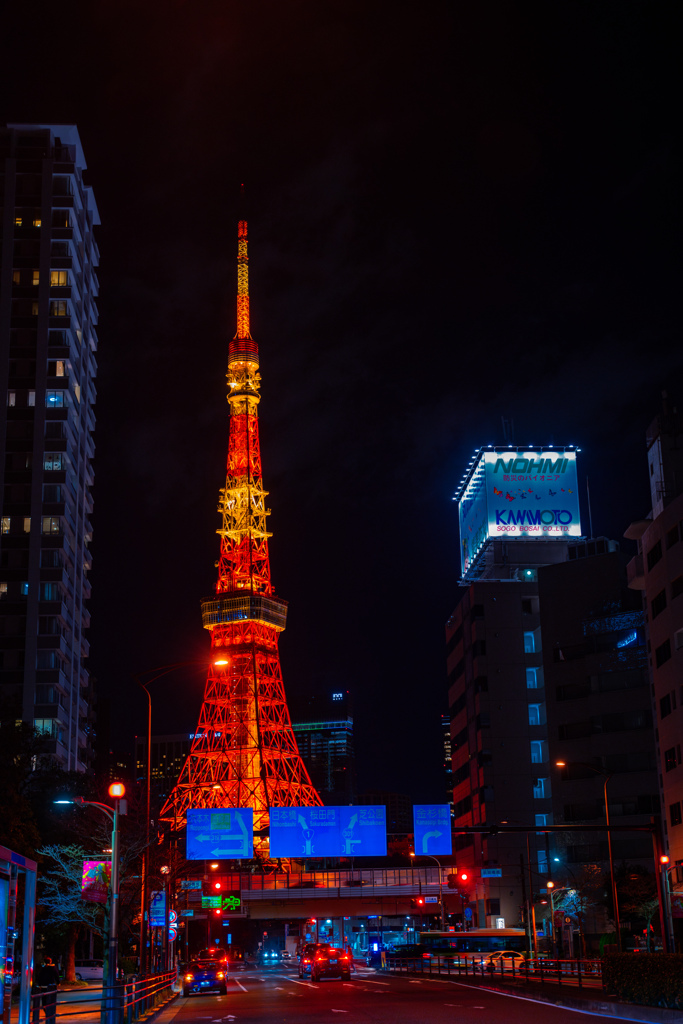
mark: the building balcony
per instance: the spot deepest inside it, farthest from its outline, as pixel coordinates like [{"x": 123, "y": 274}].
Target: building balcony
[{"x": 635, "y": 573}]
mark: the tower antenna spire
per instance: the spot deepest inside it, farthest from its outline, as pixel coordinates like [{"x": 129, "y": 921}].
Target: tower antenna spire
[{"x": 244, "y": 752}]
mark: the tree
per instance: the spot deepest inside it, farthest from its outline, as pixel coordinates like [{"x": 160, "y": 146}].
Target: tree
[
  {"x": 586, "y": 891},
  {"x": 60, "y": 901},
  {"x": 637, "y": 889}
]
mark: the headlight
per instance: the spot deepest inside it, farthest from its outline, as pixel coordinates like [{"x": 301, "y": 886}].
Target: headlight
[
  {"x": 219, "y": 974},
  {"x": 189, "y": 977}
]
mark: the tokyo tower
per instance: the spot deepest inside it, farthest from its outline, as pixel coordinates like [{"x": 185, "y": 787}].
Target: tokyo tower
[{"x": 244, "y": 752}]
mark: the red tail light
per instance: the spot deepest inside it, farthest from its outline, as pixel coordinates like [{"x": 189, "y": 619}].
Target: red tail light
[{"x": 343, "y": 958}]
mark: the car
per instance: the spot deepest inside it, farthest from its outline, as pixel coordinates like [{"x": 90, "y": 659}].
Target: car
[
  {"x": 505, "y": 959},
  {"x": 207, "y": 972},
  {"x": 267, "y": 958},
  {"x": 330, "y": 962},
  {"x": 90, "y": 970}
]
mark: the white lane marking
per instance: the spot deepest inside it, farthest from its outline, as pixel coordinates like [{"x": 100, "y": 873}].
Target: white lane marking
[
  {"x": 306, "y": 984},
  {"x": 239, "y": 983},
  {"x": 338, "y": 1011},
  {"x": 452, "y": 1004},
  {"x": 414, "y": 982},
  {"x": 368, "y": 982}
]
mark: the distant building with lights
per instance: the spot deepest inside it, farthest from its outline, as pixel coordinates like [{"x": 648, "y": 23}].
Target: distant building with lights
[
  {"x": 48, "y": 341},
  {"x": 546, "y": 661},
  {"x": 657, "y": 572},
  {"x": 168, "y": 755},
  {"x": 323, "y": 726}
]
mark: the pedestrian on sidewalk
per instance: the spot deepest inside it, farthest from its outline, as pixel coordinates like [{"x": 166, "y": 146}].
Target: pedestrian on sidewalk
[{"x": 47, "y": 983}]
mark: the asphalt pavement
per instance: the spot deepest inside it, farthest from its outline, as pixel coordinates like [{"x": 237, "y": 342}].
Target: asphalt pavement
[{"x": 261, "y": 996}]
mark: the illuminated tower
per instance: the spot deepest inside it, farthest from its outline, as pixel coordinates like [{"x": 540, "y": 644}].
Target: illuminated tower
[{"x": 244, "y": 752}]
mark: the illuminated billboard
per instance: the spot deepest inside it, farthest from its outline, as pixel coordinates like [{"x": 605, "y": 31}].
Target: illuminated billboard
[
  {"x": 529, "y": 493},
  {"x": 432, "y": 828},
  {"x": 328, "y": 831}
]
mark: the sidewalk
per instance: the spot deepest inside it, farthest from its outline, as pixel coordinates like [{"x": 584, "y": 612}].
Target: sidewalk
[{"x": 580, "y": 999}]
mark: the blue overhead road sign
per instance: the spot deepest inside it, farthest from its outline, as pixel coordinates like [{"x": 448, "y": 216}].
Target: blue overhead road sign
[
  {"x": 432, "y": 828},
  {"x": 220, "y": 832}
]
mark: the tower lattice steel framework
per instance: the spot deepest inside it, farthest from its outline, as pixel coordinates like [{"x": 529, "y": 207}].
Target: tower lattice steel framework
[{"x": 244, "y": 752}]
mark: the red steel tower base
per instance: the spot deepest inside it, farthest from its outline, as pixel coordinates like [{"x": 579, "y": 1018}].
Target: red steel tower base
[{"x": 244, "y": 752}]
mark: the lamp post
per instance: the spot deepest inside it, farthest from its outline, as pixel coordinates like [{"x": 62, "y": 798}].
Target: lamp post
[
  {"x": 606, "y": 776},
  {"x": 117, "y": 792},
  {"x": 144, "y": 684},
  {"x": 438, "y": 862}
]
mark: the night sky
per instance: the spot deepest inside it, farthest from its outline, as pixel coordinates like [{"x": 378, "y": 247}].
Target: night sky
[{"x": 457, "y": 213}]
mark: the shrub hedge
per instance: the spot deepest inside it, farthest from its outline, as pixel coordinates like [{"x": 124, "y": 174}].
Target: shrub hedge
[{"x": 651, "y": 979}]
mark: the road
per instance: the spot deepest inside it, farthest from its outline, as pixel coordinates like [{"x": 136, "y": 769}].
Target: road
[{"x": 368, "y": 998}]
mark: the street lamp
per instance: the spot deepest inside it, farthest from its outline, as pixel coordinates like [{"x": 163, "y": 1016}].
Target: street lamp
[
  {"x": 606, "y": 776},
  {"x": 117, "y": 792},
  {"x": 154, "y": 673},
  {"x": 431, "y": 857},
  {"x": 553, "y": 892}
]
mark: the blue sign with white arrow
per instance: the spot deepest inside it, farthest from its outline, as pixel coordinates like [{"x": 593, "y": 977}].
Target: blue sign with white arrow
[
  {"x": 432, "y": 828},
  {"x": 220, "y": 832}
]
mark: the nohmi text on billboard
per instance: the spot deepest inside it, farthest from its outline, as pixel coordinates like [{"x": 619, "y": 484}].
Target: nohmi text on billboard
[{"x": 518, "y": 493}]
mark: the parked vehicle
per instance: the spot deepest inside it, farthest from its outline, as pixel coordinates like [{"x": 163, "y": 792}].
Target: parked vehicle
[{"x": 90, "y": 970}]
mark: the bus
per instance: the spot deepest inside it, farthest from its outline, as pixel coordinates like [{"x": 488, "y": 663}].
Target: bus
[{"x": 477, "y": 943}]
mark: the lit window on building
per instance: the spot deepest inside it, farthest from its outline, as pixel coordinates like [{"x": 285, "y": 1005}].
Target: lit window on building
[
  {"x": 16, "y": 277},
  {"x": 53, "y": 461},
  {"x": 529, "y": 643},
  {"x": 50, "y": 524},
  {"x": 18, "y": 221},
  {"x": 3, "y": 590},
  {"x": 541, "y": 789},
  {"x": 536, "y": 714},
  {"x": 37, "y": 222},
  {"x": 27, "y": 524},
  {"x": 11, "y": 398},
  {"x": 532, "y": 679},
  {"x": 31, "y": 398},
  {"x": 5, "y": 524},
  {"x": 54, "y": 399},
  {"x": 59, "y": 278},
  {"x": 36, "y": 277},
  {"x": 23, "y": 588}
]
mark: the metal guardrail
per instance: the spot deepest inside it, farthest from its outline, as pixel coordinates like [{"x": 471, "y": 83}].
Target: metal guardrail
[
  {"x": 124, "y": 1003},
  {"x": 579, "y": 973}
]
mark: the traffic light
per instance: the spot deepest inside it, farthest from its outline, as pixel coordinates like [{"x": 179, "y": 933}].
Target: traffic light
[
  {"x": 463, "y": 876},
  {"x": 417, "y": 901},
  {"x": 217, "y": 885},
  {"x": 218, "y": 913},
  {"x": 452, "y": 881}
]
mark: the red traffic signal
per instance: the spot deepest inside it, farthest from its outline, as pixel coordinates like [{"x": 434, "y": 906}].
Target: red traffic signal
[
  {"x": 218, "y": 885},
  {"x": 217, "y": 913},
  {"x": 463, "y": 876},
  {"x": 418, "y": 901}
]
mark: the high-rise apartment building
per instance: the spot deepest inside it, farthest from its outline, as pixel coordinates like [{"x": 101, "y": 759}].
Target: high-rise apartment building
[
  {"x": 657, "y": 571},
  {"x": 48, "y": 342}
]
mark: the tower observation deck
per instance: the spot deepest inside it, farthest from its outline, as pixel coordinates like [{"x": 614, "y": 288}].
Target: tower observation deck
[{"x": 244, "y": 752}]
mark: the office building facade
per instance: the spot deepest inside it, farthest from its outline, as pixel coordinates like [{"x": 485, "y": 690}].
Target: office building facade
[
  {"x": 48, "y": 341},
  {"x": 323, "y": 726},
  {"x": 657, "y": 572},
  {"x": 547, "y": 662}
]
